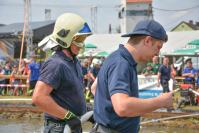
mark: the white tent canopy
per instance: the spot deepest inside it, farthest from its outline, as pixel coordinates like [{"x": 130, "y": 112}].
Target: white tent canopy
[
  {"x": 106, "y": 42},
  {"x": 176, "y": 40}
]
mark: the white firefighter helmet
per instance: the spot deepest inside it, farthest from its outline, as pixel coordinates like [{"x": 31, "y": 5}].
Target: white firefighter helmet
[
  {"x": 68, "y": 27},
  {"x": 96, "y": 61}
]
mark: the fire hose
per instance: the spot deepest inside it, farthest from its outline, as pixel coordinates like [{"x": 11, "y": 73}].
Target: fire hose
[
  {"x": 169, "y": 118},
  {"x": 195, "y": 92},
  {"x": 174, "y": 117}
]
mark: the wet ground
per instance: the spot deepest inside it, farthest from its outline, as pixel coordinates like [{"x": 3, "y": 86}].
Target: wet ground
[
  {"x": 23, "y": 117},
  {"x": 36, "y": 126}
]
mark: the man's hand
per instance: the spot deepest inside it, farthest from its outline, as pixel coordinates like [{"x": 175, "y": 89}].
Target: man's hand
[
  {"x": 74, "y": 123},
  {"x": 72, "y": 120},
  {"x": 166, "y": 99}
]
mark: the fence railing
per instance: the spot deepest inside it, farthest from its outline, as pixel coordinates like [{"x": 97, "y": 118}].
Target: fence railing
[{"x": 7, "y": 87}]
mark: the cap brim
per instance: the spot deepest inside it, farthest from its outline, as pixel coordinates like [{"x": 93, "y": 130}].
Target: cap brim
[
  {"x": 127, "y": 35},
  {"x": 136, "y": 33}
]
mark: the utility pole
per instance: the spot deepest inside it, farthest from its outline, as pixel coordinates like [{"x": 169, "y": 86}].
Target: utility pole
[{"x": 28, "y": 32}]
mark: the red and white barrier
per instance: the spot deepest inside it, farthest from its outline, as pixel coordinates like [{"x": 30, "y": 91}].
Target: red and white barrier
[{"x": 12, "y": 85}]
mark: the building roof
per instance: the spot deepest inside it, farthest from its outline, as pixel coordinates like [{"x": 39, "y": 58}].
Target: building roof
[
  {"x": 2, "y": 24},
  {"x": 193, "y": 26},
  {"x": 190, "y": 24},
  {"x": 18, "y": 27},
  {"x": 138, "y": 1}
]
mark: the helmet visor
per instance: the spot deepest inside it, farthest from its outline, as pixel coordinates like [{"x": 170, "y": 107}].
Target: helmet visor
[
  {"x": 78, "y": 44},
  {"x": 79, "y": 38}
]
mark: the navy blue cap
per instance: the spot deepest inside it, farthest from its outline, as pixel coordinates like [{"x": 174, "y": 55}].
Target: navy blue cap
[{"x": 150, "y": 28}]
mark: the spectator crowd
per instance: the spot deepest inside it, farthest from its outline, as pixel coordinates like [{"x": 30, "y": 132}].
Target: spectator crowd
[{"x": 18, "y": 79}]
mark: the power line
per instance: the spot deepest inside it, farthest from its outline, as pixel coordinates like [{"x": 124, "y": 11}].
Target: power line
[
  {"x": 64, "y": 6},
  {"x": 176, "y": 10}
]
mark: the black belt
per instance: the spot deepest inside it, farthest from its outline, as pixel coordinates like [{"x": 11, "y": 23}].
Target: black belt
[
  {"x": 54, "y": 122},
  {"x": 73, "y": 123}
]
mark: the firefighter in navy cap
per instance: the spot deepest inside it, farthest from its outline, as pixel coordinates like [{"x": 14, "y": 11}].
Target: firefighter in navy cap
[{"x": 117, "y": 107}]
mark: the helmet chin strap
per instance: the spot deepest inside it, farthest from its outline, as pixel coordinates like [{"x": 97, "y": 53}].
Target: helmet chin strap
[{"x": 71, "y": 53}]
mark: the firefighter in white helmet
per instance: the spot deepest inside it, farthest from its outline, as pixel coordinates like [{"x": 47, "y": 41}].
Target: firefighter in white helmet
[{"x": 59, "y": 90}]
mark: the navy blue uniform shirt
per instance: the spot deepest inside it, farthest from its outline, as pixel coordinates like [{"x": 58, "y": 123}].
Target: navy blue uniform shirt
[
  {"x": 84, "y": 70},
  {"x": 165, "y": 73},
  {"x": 65, "y": 77},
  {"x": 117, "y": 75},
  {"x": 95, "y": 71}
]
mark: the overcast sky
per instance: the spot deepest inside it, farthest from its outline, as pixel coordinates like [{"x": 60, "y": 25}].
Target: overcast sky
[
  {"x": 171, "y": 12},
  {"x": 168, "y": 12}
]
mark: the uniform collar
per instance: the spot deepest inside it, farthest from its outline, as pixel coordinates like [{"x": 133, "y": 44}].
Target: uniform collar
[
  {"x": 125, "y": 53},
  {"x": 63, "y": 56}
]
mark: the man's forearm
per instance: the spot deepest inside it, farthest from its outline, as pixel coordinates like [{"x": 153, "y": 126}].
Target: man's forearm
[
  {"x": 137, "y": 107},
  {"x": 126, "y": 106},
  {"x": 48, "y": 105}
]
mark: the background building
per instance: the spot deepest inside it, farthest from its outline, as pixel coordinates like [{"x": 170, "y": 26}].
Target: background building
[
  {"x": 11, "y": 37},
  {"x": 132, "y": 11},
  {"x": 186, "y": 26}
]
